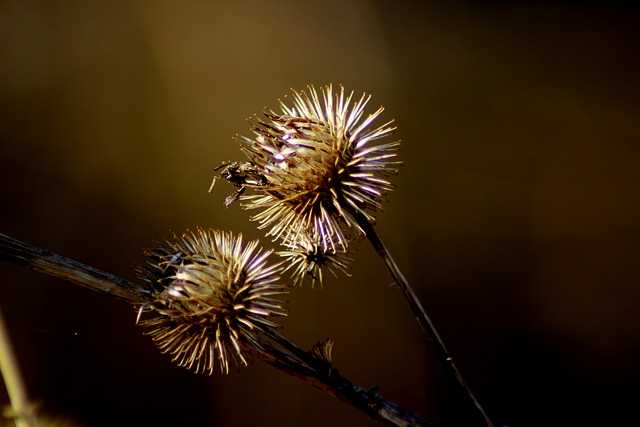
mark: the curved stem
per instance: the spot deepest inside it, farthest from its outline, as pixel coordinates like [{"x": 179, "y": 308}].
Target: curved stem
[{"x": 421, "y": 316}]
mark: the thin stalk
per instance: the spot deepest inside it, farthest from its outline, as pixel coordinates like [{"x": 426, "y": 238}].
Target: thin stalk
[
  {"x": 421, "y": 316},
  {"x": 288, "y": 357},
  {"x": 13, "y": 380}
]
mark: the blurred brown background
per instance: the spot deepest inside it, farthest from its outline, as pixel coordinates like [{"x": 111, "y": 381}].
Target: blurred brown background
[{"x": 516, "y": 214}]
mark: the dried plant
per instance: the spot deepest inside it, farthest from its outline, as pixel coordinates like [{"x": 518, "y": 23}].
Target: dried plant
[
  {"x": 317, "y": 173},
  {"x": 318, "y": 169},
  {"x": 308, "y": 257},
  {"x": 211, "y": 294},
  {"x": 255, "y": 336}
]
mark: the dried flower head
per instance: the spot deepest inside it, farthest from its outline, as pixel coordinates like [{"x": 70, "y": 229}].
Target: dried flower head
[
  {"x": 212, "y": 295},
  {"x": 307, "y": 257},
  {"x": 317, "y": 166}
]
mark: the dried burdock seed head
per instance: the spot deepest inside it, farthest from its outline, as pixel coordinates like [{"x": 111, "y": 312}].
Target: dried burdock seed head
[
  {"x": 212, "y": 297},
  {"x": 317, "y": 165},
  {"x": 308, "y": 256}
]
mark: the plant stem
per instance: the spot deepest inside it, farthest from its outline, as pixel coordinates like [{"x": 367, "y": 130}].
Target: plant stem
[
  {"x": 330, "y": 381},
  {"x": 43, "y": 261},
  {"x": 421, "y": 316},
  {"x": 289, "y": 359},
  {"x": 13, "y": 380}
]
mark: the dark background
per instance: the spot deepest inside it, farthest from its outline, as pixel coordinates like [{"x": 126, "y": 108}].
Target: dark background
[{"x": 515, "y": 218}]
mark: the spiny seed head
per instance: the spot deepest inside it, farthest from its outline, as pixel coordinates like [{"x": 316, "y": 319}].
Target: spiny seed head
[
  {"x": 307, "y": 257},
  {"x": 319, "y": 165},
  {"x": 212, "y": 296}
]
